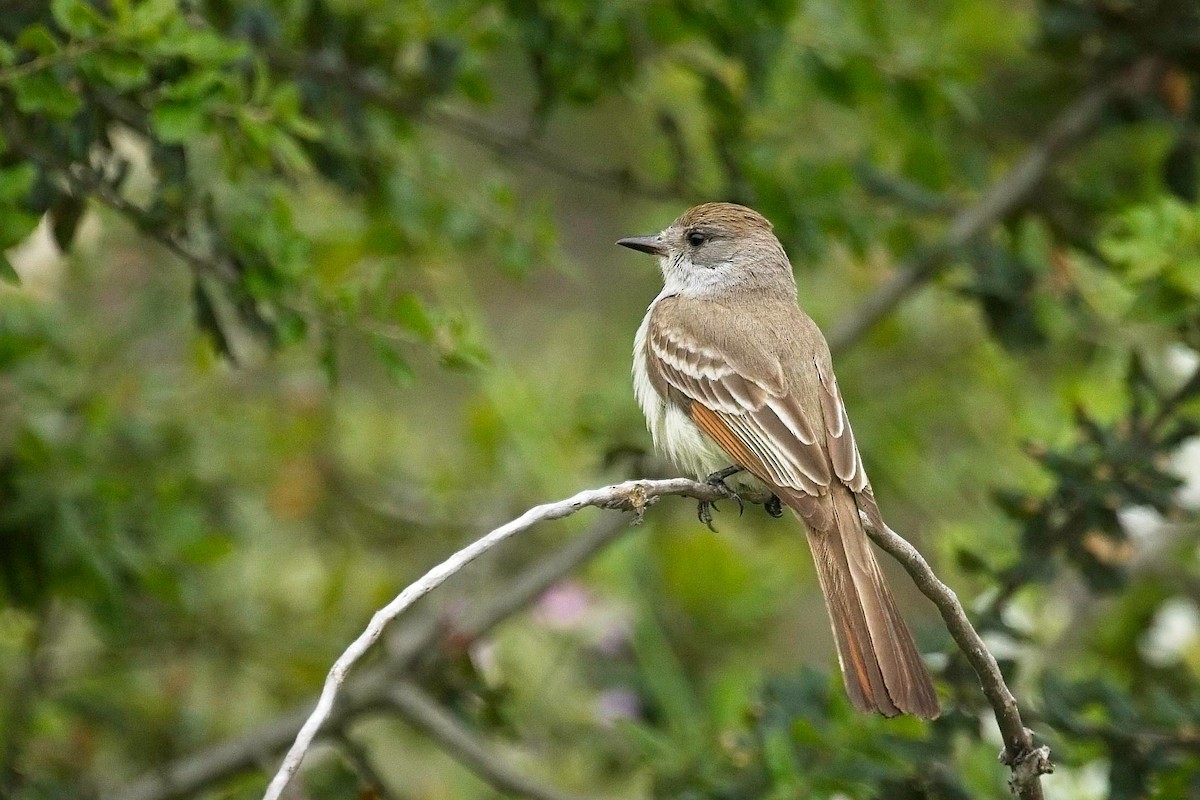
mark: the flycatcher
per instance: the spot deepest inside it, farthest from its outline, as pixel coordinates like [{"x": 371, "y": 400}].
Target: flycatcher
[{"x": 727, "y": 368}]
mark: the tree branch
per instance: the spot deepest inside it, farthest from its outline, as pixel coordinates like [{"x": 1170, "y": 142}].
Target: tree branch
[
  {"x": 418, "y": 639},
  {"x": 360, "y": 759},
  {"x": 523, "y": 148},
  {"x": 1028, "y": 763},
  {"x": 197, "y": 772},
  {"x": 1005, "y": 196},
  {"x": 85, "y": 182},
  {"x": 631, "y": 495},
  {"x": 506, "y": 145},
  {"x": 420, "y": 710}
]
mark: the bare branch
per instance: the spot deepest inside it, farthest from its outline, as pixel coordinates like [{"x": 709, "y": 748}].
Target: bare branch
[
  {"x": 360, "y": 759},
  {"x": 1004, "y": 197},
  {"x": 534, "y": 581},
  {"x": 523, "y": 148},
  {"x": 506, "y": 145},
  {"x": 420, "y": 710},
  {"x": 199, "y": 771},
  {"x": 631, "y": 495},
  {"x": 417, "y": 639},
  {"x": 1027, "y": 762}
]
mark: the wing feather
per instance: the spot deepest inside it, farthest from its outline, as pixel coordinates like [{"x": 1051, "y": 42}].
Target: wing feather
[
  {"x": 843, "y": 450},
  {"x": 757, "y": 422}
]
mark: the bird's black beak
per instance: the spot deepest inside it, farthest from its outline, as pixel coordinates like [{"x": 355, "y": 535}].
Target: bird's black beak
[{"x": 647, "y": 244}]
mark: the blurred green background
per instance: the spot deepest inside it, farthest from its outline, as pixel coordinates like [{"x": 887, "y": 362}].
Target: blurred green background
[{"x": 299, "y": 296}]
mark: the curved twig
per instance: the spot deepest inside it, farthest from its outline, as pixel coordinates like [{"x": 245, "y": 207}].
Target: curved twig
[
  {"x": 416, "y": 640},
  {"x": 1004, "y": 197},
  {"x": 1026, "y": 761},
  {"x": 419, "y": 710},
  {"x": 631, "y": 495}
]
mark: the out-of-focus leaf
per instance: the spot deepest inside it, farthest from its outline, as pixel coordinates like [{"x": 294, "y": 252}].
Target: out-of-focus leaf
[
  {"x": 7, "y": 273},
  {"x": 76, "y": 17},
  {"x": 43, "y": 93},
  {"x": 393, "y": 361},
  {"x": 179, "y": 122}
]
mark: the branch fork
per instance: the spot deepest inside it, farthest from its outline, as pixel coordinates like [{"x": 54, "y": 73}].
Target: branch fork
[{"x": 1027, "y": 766}]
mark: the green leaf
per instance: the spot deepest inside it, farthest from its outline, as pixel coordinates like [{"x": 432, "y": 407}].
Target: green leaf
[
  {"x": 289, "y": 153},
  {"x": 409, "y": 312},
  {"x": 304, "y": 128},
  {"x": 151, "y": 15},
  {"x": 16, "y": 181},
  {"x": 389, "y": 355},
  {"x": 15, "y": 225},
  {"x": 43, "y": 93},
  {"x": 122, "y": 11},
  {"x": 176, "y": 122},
  {"x": 124, "y": 71},
  {"x": 195, "y": 85},
  {"x": 258, "y": 132},
  {"x": 199, "y": 45},
  {"x": 37, "y": 39},
  {"x": 76, "y": 17},
  {"x": 667, "y": 683},
  {"x": 7, "y": 273}
]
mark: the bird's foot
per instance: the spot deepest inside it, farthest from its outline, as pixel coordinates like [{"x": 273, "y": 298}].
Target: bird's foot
[
  {"x": 717, "y": 480},
  {"x": 774, "y": 507}
]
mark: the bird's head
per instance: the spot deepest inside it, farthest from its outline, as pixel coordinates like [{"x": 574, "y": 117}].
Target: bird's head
[{"x": 718, "y": 247}]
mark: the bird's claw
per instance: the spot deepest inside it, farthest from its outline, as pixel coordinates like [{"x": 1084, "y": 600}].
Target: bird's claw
[
  {"x": 774, "y": 507},
  {"x": 717, "y": 481}
]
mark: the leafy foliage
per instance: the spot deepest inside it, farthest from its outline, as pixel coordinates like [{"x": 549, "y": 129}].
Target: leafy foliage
[{"x": 295, "y": 295}]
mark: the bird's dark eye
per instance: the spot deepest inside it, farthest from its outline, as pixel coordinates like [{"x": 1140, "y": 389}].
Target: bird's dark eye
[{"x": 696, "y": 238}]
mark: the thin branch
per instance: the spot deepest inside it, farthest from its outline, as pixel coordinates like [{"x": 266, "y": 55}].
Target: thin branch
[
  {"x": 65, "y": 55},
  {"x": 1027, "y": 762},
  {"x": 506, "y": 145},
  {"x": 418, "y": 639},
  {"x": 420, "y": 710},
  {"x": 360, "y": 759},
  {"x": 1003, "y": 198},
  {"x": 197, "y": 772},
  {"x": 534, "y": 581},
  {"x": 911, "y": 196},
  {"x": 1189, "y": 388},
  {"x": 85, "y": 182},
  {"x": 522, "y": 148},
  {"x": 631, "y": 495}
]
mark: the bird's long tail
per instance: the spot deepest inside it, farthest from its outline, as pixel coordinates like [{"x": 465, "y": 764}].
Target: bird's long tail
[{"x": 880, "y": 663}]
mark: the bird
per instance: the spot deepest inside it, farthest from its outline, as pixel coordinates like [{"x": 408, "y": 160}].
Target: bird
[{"x": 735, "y": 379}]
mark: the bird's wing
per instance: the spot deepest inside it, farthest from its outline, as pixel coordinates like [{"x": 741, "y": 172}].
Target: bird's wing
[
  {"x": 763, "y": 389},
  {"x": 744, "y": 400}
]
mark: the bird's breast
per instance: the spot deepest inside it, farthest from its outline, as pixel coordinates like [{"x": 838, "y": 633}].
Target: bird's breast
[{"x": 675, "y": 436}]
